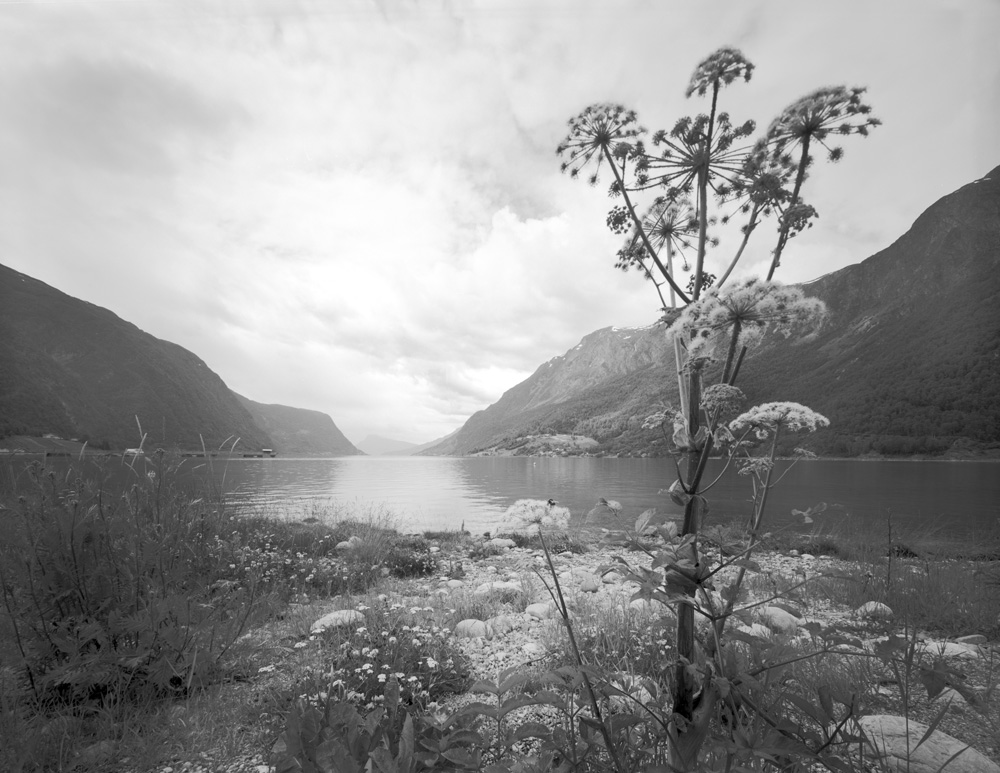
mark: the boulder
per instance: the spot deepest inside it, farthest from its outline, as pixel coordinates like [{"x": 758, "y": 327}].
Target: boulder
[
  {"x": 501, "y": 624},
  {"x": 498, "y": 586},
  {"x": 779, "y": 620},
  {"x": 590, "y": 584},
  {"x": 338, "y": 619},
  {"x": 887, "y": 737},
  {"x": 473, "y": 629},
  {"x": 542, "y": 611},
  {"x": 951, "y": 650},
  {"x": 874, "y": 610},
  {"x": 604, "y": 515},
  {"x": 502, "y": 543}
]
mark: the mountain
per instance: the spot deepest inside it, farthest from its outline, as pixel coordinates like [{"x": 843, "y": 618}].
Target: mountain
[
  {"x": 299, "y": 431},
  {"x": 908, "y": 361},
  {"x": 376, "y": 445},
  {"x": 75, "y": 370},
  {"x": 602, "y": 388}
]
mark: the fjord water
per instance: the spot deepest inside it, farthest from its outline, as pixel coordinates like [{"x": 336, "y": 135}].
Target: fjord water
[{"x": 443, "y": 492}]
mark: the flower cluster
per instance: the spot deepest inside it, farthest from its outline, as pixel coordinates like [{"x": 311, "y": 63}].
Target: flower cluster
[
  {"x": 768, "y": 417},
  {"x": 723, "y": 399},
  {"x": 394, "y": 643},
  {"x": 748, "y": 309}
]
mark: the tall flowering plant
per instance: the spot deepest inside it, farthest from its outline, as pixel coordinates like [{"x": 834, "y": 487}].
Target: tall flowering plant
[{"x": 707, "y": 171}]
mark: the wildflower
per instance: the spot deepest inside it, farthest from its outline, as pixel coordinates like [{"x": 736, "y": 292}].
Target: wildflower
[
  {"x": 723, "y": 398},
  {"x": 431, "y": 663},
  {"x": 600, "y": 131},
  {"x": 769, "y": 417},
  {"x": 743, "y": 312}
]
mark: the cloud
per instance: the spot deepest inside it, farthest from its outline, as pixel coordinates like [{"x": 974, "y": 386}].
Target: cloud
[{"x": 356, "y": 207}]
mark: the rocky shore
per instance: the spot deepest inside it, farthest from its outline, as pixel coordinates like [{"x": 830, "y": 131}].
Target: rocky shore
[{"x": 533, "y": 638}]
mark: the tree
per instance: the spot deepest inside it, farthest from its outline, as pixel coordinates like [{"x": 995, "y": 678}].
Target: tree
[{"x": 709, "y": 158}]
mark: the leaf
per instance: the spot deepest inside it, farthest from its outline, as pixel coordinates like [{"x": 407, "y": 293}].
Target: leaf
[
  {"x": 484, "y": 686},
  {"x": 516, "y": 702},
  {"x": 826, "y": 702},
  {"x": 643, "y": 521},
  {"x": 404, "y": 759},
  {"x": 514, "y": 681},
  {"x": 934, "y": 680},
  {"x": 933, "y": 726},
  {"x": 528, "y": 730}
]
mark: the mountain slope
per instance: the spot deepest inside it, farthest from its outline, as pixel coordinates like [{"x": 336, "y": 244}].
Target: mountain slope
[
  {"x": 74, "y": 369},
  {"x": 908, "y": 361},
  {"x": 299, "y": 431}
]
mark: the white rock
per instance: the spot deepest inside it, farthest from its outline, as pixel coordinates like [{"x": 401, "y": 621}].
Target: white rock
[
  {"x": 887, "y": 736},
  {"x": 873, "y": 610},
  {"x": 502, "y": 542},
  {"x": 533, "y": 649},
  {"x": 611, "y": 578},
  {"x": 975, "y": 638},
  {"x": 455, "y": 584},
  {"x": 590, "y": 584},
  {"x": 952, "y": 649},
  {"x": 779, "y": 620},
  {"x": 435, "y": 549},
  {"x": 542, "y": 611},
  {"x": 473, "y": 629},
  {"x": 341, "y": 617},
  {"x": 497, "y": 587},
  {"x": 503, "y": 623}
]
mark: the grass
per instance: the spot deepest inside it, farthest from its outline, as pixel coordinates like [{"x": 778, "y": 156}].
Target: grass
[{"x": 272, "y": 574}]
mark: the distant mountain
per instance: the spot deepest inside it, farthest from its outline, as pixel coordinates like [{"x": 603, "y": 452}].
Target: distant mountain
[
  {"x": 299, "y": 431},
  {"x": 907, "y": 363},
  {"x": 75, "y": 370},
  {"x": 376, "y": 445}
]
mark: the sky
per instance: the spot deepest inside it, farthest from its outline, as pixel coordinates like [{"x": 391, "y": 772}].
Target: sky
[{"x": 355, "y": 206}]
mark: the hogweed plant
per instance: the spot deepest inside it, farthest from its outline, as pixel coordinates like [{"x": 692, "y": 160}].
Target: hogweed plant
[{"x": 709, "y": 169}]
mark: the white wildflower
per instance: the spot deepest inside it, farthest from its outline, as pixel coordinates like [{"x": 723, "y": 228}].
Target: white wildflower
[
  {"x": 755, "y": 305},
  {"x": 792, "y": 417}
]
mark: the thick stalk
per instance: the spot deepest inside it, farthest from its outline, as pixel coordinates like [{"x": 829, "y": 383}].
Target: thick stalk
[
  {"x": 678, "y": 354},
  {"x": 783, "y": 233},
  {"x": 641, "y": 230},
  {"x": 687, "y": 740}
]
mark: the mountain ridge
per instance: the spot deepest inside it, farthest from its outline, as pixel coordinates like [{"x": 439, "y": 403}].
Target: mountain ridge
[
  {"x": 908, "y": 361},
  {"x": 74, "y": 369}
]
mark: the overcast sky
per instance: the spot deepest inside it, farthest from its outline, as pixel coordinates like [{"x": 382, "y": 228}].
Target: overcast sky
[{"x": 355, "y": 206}]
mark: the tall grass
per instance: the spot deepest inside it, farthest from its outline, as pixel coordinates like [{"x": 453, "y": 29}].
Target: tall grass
[{"x": 117, "y": 596}]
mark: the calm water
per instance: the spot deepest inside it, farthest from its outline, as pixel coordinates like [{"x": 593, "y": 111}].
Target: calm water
[{"x": 442, "y": 493}]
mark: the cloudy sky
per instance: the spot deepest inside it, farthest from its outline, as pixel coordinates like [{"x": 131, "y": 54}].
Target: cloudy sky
[{"x": 355, "y": 206}]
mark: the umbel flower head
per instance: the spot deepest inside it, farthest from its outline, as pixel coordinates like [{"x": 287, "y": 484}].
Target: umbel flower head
[
  {"x": 753, "y": 305},
  {"x": 835, "y": 110},
  {"x": 599, "y": 130},
  {"x": 724, "y": 398},
  {"x": 720, "y": 68},
  {"x": 764, "y": 419}
]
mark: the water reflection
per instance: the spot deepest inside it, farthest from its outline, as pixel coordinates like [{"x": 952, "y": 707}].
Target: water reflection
[{"x": 443, "y": 492}]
